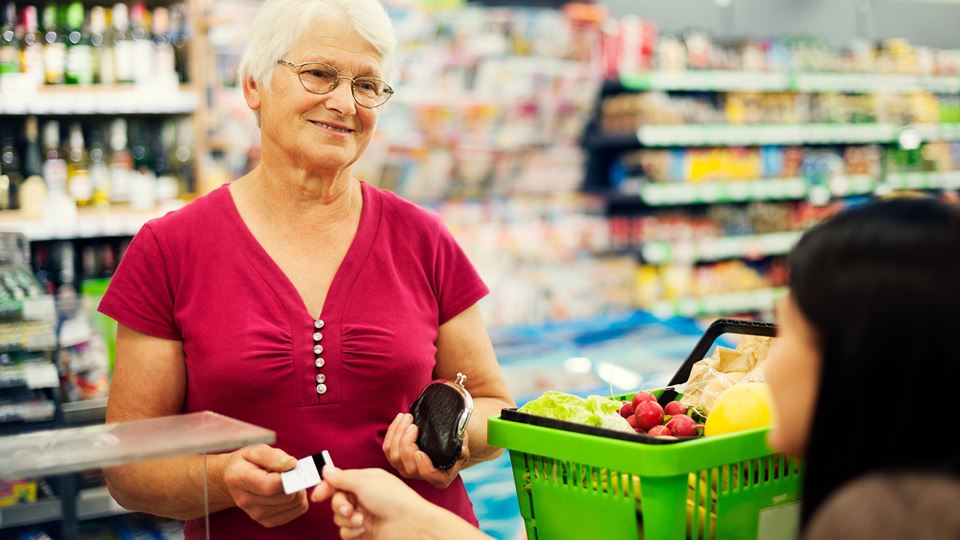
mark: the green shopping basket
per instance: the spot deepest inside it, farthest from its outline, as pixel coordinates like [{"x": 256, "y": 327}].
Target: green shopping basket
[{"x": 577, "y": 481}]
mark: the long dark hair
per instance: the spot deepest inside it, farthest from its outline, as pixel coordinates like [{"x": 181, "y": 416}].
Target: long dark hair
[{"x": 880, "y": 285}]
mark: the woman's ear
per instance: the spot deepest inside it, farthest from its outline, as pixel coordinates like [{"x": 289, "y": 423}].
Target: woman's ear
[{"x": 251, "y": 93}]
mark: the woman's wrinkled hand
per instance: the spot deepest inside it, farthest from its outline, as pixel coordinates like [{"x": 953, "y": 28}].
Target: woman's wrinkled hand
[
  {"x": 401, "y": 450},
  {"x": 252, "y": 477}
]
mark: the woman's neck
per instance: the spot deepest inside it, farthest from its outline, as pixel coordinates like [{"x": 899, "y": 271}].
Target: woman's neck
[{"x": 296, "y": 197}]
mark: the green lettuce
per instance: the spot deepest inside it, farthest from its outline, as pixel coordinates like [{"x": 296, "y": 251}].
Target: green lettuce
[{"x": 596, "y": 411}]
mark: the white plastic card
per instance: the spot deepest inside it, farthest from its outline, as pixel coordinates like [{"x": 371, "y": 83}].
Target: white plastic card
[{"x": 306, "y": 474}]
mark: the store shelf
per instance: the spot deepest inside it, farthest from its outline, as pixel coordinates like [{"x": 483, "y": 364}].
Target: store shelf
[
  {"x": 30, "y": 514},
  {"x": 793, "y": 134},
  {"x": 92, "y": 503},
  {"x": 95, "y": 99},
  {"x": 763, "y": 134},
  {"x": 653, "y": 194},
  {"x": 723, "y": 81},
  {"x": 96, "y": 503},
  {"x": 870, "y": 82},
  {"x": 772, "y": 189},
  {"x": 90, "y": 223},
  {"x": 86, "y": 411},
  {"x": 938, "y": 132},
  {"x": 924, "y": 180},
  {"x": 715, "y": 249},
  {"x": 708, "y": 80},
  {"x": 706, "y": 306}
]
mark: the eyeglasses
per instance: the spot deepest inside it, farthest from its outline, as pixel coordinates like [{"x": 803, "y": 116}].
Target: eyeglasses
[{"x": 320, "y": 78}]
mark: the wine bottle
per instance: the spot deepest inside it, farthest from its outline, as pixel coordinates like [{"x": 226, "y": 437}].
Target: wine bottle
[
  {"x": 78, "y": 168},
  {"x": 9, "y": 41},
  {"x": 79, "y": 63},
  {"x": 54, "y": 46}
]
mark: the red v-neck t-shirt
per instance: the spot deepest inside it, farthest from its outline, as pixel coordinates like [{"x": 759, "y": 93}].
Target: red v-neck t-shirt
[{"x": 199, "y": 276}]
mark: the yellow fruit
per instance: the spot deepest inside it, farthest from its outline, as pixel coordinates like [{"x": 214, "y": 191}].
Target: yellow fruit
[{"x": 740, "y": 407}]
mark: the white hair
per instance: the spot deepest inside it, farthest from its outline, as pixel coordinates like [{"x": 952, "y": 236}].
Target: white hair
[{"x": 280, "y": 24}]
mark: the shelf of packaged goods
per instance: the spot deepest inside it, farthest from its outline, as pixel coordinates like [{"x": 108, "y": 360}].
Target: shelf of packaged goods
[
  {"x": 924, "y": 180},
  {"x": 720, "y": 304},
  {"x": 31, "y": 411},
  {"x": 86, "y": 411},
  {"x": 27, "y": 335},
  {"x": 32, "y": 375},
  {"x": 92, "y": 503},
  {"x": 726, "y": 81},
  {"x": 90, "y": 223},
  {"x": 95, "y": 99},
  {"x": 714, "y": 249}
]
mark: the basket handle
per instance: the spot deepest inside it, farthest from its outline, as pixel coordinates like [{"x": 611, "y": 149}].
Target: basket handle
[{"x": 714, "y": 331}]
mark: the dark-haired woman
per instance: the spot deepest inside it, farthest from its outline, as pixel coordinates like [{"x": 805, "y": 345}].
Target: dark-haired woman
[{"x": 863, "y": 369}]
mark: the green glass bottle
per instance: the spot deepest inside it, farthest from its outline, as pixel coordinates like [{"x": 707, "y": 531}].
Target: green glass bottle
[
  {"x": 9, "y": 169},
  {"x": 54, "y": 46},
  {"x": 9, "y": 41},
  {"x": 79, "y": 62}
]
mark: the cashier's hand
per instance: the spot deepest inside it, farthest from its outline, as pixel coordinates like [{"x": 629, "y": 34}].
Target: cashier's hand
[
  {"x": 372, "y": 503},
  {"x": 400, "y": 448},
  {"x": 252, "y": 477}
]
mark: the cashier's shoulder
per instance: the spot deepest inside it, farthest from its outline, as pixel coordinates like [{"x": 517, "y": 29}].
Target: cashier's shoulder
[{"x": 917, "y": 505}]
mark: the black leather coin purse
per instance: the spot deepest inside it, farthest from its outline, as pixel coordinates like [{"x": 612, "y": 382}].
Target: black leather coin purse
[{"x": 441, "y": 413}]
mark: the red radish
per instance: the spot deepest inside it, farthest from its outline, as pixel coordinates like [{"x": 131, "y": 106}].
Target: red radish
[
  {"x": 649, "y": 414},
  {"x": 642, "y": 396},
  {"x": 634, "y": 423},
  {"x": 626, "y": 410},
  {"x": 674, "y": 408},
  {"x": 682, "y": 426},
  {"x": 660, "y": 431}
]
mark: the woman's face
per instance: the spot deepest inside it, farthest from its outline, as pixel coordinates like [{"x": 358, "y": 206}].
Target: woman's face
[
  {"x": 793, "y": 372},
  {"x": 325, "y": 132}
]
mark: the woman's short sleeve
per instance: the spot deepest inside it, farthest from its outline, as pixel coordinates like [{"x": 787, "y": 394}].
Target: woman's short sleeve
[
  {"x": 458, "y": 284},
  {"x": 140, "y": 295}
]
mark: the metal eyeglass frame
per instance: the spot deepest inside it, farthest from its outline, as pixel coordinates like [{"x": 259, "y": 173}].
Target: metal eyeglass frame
[{"x": 388, "y": 90}]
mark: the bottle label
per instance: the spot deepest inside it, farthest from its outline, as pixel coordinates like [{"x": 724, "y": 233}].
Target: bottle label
[
  {"x": 54, "y": 60},
  {"x": 9, "y": 59},
  {"x": 55, "y": 173},
  {"x": 119, "y": 183},
  {"x": 33, "y": 61},
  {"x": 81, "y": 188},
  {"x": 105, "y": 71},
  {"x": 143, "y": 65},
  {"x": 123, "y": 61},
  {"x": 99, "y": 183},
  {"x": 79, "y": 65}
]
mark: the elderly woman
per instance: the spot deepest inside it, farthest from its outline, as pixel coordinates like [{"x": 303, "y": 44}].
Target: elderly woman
[{"x": 299, "y": 298}]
